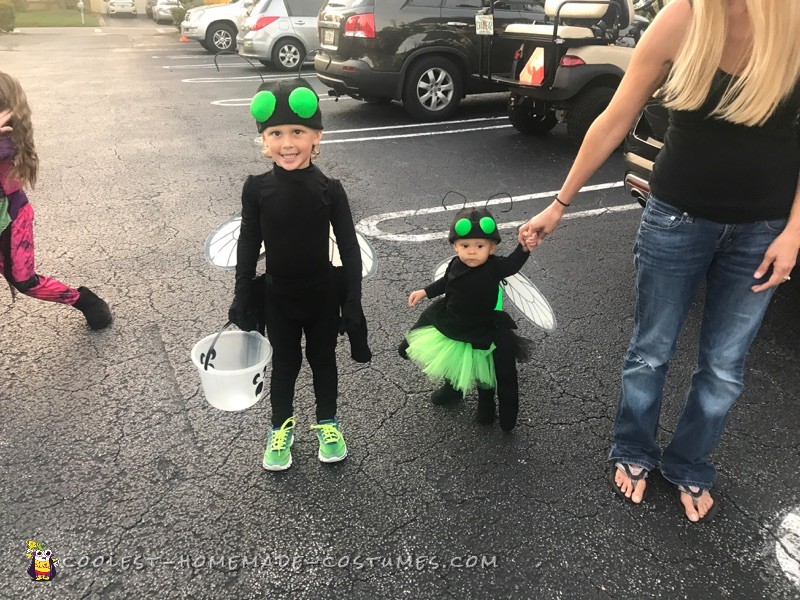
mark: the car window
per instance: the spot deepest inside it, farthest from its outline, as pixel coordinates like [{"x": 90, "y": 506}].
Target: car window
[
  {"x": 476, "y": 4},
  {"x": 259, "y": 7},
  {"x": 535, "y": 7},
  {"x": 303, "y": 8}
]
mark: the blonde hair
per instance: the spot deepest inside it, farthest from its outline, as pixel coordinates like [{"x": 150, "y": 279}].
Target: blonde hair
[
  {"x": 769, "y": 75},
  {"x": 26, "y": 161}
]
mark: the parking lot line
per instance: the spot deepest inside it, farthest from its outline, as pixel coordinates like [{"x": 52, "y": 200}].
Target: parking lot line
[
  {"x": 370, "y": 226},
  {"x": 411, "y": 135},
  {"x": 440, "y": 123},
  {"x": 243, "y": 78}
]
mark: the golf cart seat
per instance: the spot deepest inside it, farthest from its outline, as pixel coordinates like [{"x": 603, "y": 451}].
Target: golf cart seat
[{"x": 589, "y": 22}]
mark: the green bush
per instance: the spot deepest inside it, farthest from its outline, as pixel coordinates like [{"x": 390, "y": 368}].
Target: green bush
[
  {"x": 20, "y": 5},
  {"x": 179, "y": 12},
  {"x": 7, "y": 15},
  {"x": 71, "y": 4}
]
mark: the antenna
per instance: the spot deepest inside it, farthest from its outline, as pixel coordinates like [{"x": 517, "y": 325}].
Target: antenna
[
  {"x": 240, "y": 56},
  {"x": 456, "y": 193}
]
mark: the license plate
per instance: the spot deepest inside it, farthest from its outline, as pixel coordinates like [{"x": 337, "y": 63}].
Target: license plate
[{"x": 328, "y": 36}]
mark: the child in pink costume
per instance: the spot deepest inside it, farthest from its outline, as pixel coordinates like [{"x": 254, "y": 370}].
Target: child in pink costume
[{"x": 18, "y": 168}]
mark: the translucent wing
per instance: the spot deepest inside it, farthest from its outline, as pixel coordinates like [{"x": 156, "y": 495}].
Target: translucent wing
[
  {"x": 525, "y": 297},
  {"x": 221, "y": 243},
  {"x": 369, "y": 261}
]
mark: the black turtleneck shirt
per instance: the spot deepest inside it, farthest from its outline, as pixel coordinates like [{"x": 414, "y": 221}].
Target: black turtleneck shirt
[{"x": 291, "y": 212}]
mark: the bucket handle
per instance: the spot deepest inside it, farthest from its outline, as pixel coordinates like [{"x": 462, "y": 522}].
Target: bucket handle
[{"x": 211, "y": 352}]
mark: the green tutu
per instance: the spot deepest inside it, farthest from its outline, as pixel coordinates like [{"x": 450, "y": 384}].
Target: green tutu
[{"x": 457, "y": 362}]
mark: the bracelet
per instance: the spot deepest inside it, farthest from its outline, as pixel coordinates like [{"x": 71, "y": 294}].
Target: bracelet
[{"x": 561, "y": 202}]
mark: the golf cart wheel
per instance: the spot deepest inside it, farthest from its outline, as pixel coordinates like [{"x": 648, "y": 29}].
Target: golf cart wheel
[
  {"x": 221, "y": 37},
  {"x": 433, "y": 89},
  {"x": 287, "y": 54},
  {"x": 528, "y": 118},
  {"x": 584, "y": 109}
]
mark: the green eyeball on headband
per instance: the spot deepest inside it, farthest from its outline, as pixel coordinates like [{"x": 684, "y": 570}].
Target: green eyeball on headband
[
  {"x": 471, "y": 223},
  {"x": 286, "y": 102}
]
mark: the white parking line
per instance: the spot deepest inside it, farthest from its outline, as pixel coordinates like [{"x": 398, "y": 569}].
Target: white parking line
[
  {"x": 246, "y": 101},
  {"x": 410, "y": 135},
  {"x": 370, "y": 225},
  {"x": 195, "y": 56},
  {"x": 440, "y": 123},
  {"x": 787, "y": 548},
  {"x": 226, "y": 65},
  {"x": 244, "y": 78}
]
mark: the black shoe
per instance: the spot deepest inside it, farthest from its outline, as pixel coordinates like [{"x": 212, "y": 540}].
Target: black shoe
[
  {"x": 446, "y": 394},
  {"x": 94, "y": 308}
]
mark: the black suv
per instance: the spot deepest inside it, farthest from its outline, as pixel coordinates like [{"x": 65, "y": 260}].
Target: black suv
[{"x": 423, "y": 52}]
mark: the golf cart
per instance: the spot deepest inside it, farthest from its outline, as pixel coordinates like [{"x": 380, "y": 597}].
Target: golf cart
[{"x": 568, "y": 68}]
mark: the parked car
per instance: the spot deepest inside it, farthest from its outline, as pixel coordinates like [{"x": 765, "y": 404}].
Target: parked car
[
  {"x": 280, "y": 32},
  {"x": 214, "y": 26},
  {"x": 422, "y": 52},
  {"x": 120, "y": 7},
  {"x": 148, "y": 7},
  {"x": 641, "y": 147},
  {"x": 162, "y": 10}
]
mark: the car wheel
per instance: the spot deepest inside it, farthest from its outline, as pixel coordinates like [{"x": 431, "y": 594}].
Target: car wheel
[
  {"x": 584, "y": 109},
  {"x": 287, "y": 54},
  {"x": 221, "y": 37},
  {"x": 528, "y": 117},
  {"x": 432, "y": 89}
]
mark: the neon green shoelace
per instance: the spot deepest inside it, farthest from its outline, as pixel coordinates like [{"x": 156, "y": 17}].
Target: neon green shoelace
[
  {"x": 330, "y": 435},
  {"x": 279, "y": 435}
]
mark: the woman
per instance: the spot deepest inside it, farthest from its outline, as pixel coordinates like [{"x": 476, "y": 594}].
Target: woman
[{"x": 724, "y": 209}]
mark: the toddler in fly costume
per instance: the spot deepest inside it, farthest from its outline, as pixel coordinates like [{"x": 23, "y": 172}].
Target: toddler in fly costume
[{"x": 465, "y": 339}]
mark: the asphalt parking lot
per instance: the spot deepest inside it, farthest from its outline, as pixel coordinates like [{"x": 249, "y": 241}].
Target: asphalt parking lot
[{"x": 114, "y": 459}]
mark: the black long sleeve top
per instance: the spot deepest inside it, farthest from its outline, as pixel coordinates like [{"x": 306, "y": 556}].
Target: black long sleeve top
[
  {"x": 291, "y": 213},
  {"x": 472, "y": 291}
]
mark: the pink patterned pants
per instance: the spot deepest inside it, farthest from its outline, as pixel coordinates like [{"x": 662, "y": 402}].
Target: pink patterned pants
[{"x": 18, "y": 266}]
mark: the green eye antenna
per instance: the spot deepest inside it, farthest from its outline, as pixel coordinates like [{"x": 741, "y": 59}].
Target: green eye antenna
[
  {"x": 303, "y": 102},
  {"x": 487, "y": 225},
  {"x": 263, "y": 105}
]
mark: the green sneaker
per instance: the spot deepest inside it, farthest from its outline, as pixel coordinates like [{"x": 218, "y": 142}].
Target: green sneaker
[
  {"x": 278, "y": 455},
  {"x": 331, "y": 441}
]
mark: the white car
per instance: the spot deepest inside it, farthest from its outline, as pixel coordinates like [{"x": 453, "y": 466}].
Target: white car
[
  {"x": 280, "y": 32},
  {"x": 117, "y": 7},
  {"x": 215, "y": 26},
  {"x": 162, "y": 10}
]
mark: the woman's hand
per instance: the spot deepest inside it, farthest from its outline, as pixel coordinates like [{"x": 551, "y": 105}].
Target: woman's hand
[
  {"x": 781, "y": 256},
  {"x": 5, "y": 117},
  {"x": 416, "y": 296},
  {"x": 532, "y": 233}
]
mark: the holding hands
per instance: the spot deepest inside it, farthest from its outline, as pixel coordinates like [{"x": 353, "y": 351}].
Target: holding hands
[{"x": 532, "y": 233}]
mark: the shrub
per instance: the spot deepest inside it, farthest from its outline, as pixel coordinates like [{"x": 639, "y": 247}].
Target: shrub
[
  {"x": 7, "y": 15},
  {"x": 179, "y": 12},
  {"x": 20, "y": 5},
  {"x": 71, "y": 4}
]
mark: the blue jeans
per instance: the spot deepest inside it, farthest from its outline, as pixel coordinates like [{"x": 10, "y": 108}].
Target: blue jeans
[{"x": 674, "y": 253}]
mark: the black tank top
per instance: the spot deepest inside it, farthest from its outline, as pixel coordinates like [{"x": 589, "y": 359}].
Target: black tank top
[{"x": 725, "y": 172}]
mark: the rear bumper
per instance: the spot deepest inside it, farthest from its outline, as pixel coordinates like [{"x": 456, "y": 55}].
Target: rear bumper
[
  {"x": 356, "y": 78},
  {"x": 567, "y": 83},
  {"x": 255, "y": 48}
]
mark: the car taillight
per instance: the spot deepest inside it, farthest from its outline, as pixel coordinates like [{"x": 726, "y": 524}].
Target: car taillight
[
  {"x": 362, "y": 26},
  {"x": 263, "y": 22},
  {"x": 571, "y": 61}
]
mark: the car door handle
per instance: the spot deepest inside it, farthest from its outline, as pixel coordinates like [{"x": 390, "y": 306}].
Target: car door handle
[
  {"x": 457, "y": 24},
  {"x": 300, "y": 22}
]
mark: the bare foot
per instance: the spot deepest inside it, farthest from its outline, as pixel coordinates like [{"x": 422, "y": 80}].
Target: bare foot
[
  {"x": 626, "y": 485},
  {"x": 696, "y": 508}
]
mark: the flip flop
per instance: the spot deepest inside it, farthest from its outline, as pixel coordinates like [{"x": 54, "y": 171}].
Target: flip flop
[
  {"x": 712, "y": 512},
  {"x": 620, "y": 466}
]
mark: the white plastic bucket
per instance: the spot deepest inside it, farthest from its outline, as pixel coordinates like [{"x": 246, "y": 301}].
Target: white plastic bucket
[{"x": 237, "y": 370}]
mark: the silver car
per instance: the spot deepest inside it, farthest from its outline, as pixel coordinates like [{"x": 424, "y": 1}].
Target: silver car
[
  {"x": 280, "y": 32},
  {"x": 162, "y": 10}
]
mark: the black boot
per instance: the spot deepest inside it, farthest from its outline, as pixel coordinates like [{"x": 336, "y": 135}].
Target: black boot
[
  {"x": 96, "y": 311},
  {"x": 446, "y": 394},
  {"x": 486, "y": 409}
]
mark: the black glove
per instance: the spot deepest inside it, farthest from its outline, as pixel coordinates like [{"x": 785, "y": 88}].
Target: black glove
[
  {"x": 241, "y": 316},
  {"x": 354, "y": 324}
]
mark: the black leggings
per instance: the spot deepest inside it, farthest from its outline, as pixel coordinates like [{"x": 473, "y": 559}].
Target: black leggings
[
  {"x": 289, "y": 313},
  {"x": 505, "y": 368}
]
